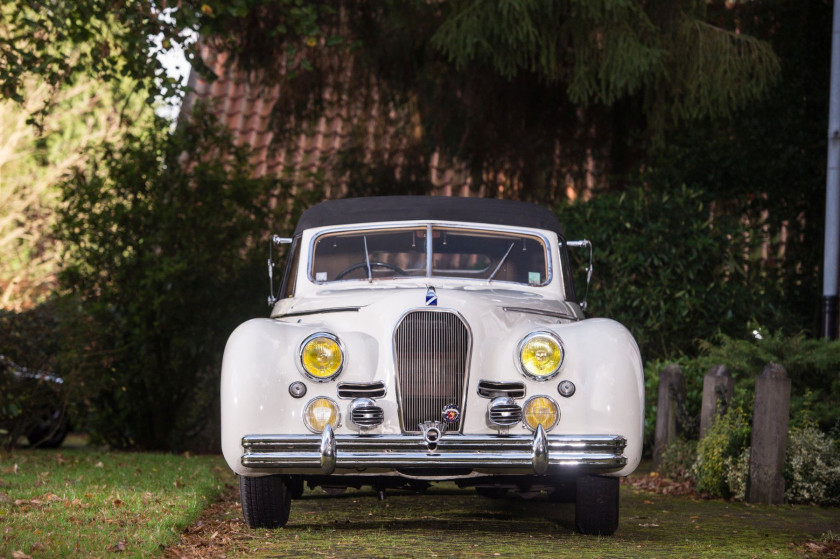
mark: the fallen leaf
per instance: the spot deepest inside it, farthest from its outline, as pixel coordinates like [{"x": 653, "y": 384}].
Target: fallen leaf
[
  {"x": 20, "y": 555},
  {"x": 649, "y": 502},
  {"x": 117, "y": 547},
  {"x": 117, "y": 502},
  {"x": 99, "y": 465}
]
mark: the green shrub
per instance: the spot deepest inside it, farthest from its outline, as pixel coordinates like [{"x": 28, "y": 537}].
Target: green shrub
[
  {"x": 678, "y": 459},
  {"x": 164, "y": 252},
  {"x": 688, "y": 412},
  {"x": 725, "y": 440},
  {"x": 812, "y": 466},
  {"x": 665, "y": 268},
  {"x": 813, "y": 366},
  {"x": 737, "y": 473}
]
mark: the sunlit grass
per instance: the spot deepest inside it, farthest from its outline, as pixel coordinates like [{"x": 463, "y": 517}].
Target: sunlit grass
[{"x": 89, "y": 502}]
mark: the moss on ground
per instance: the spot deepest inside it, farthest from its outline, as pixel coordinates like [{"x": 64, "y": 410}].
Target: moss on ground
[{"x": 447, "y": 521}]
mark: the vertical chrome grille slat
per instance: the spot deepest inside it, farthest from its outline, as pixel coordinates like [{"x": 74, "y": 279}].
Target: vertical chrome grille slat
[{"x": 431, "y": 352}]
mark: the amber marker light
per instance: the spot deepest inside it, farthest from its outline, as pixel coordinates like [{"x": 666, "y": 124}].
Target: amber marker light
[
  {"x": 321, "y": 356},
  {"x": 540, "y": 410},
  {"x": 321, "y": 412}
]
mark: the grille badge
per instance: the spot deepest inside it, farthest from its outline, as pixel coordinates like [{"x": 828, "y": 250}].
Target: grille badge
[
  {"x": 431, "y": 297},
  {"x": 451, "y": 413}
]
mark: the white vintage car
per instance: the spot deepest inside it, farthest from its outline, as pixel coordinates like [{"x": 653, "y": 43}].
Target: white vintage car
[{"x": 422, "y": 339}]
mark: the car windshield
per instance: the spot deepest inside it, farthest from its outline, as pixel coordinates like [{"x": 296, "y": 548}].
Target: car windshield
[{"x": 454, "y": 253}]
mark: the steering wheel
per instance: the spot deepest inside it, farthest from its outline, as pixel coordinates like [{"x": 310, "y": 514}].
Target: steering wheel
[{"x": 375, "y": 264}]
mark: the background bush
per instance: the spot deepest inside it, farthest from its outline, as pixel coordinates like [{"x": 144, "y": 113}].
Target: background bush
[
  {"x": 166, "y": 255},
  {"x": 666, "y": 268},
  {"x": 724, "y": 442},
  {"x": 812, "y": 466}
]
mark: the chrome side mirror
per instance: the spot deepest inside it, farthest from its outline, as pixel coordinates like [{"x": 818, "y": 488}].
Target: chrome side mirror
[
  {"x": 584, "y": 244},
  {"x": 276, "y": 241}
]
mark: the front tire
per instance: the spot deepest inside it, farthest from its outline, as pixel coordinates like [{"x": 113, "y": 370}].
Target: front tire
[
  {"x": 596, "y": 505},
  {"x": 266, "y": 501}
]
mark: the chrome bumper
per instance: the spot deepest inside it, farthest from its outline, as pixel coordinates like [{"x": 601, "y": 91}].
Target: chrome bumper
[{"x": 526, "y": 454}]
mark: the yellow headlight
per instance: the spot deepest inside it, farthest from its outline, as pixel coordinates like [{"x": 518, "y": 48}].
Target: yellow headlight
[
  {"x": 541, "y": 410},
  {"x": 319, "y": 413},
  {"x": 321, "y": 356},
  {"x": 541, "y": 355}
]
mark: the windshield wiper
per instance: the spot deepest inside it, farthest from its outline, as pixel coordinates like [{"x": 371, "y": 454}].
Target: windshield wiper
[
  {"x": 502, "y": 261},
  {"x": 367, "y": 260}
]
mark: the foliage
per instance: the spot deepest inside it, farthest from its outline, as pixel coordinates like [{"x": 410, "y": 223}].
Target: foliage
[
  {"x": 812, "y": 466},
  {"x": 678, "y": 459},
  {"x": 501, "y": 90},
  {"x": 767, "y": 164},
  {"x": 112, "y": 39},
  {"x": 603, "y": 51},
  {"x": 727, "y": 438},
  {"x": 812, "y": 365},
  {"x": 161, "y": 252},
  {"x": 688, "y": 410},
  {"x": 33, "y": 159},
  {"x": 83, "y": 502},
  {"x": 737, "y": 474},
  {"x": 665, "y": 266}
]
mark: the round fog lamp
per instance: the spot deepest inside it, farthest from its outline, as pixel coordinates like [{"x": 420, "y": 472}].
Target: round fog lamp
[
  {"x": 540, "y": 410},
  {"x": 321, "y": 356},
  {"x": 319, "y": 413},
  {"x": 541, "y": 355}
]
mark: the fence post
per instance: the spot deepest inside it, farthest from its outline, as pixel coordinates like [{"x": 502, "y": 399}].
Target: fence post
[
  {"x": 671, "y": 393},
  {"x": 718, "y": 388},
  {"x": 766, "y": 483}
]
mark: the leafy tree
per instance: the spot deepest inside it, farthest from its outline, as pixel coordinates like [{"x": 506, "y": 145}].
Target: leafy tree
[
  {"x": 767, "y": 165},
  {"x": 161, "y": 250},
  {"x": 33, "y": 159}
]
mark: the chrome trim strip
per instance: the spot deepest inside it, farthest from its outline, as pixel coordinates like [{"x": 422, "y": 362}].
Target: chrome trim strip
[
  {"x": 365, "y": 389},
  {"x": 318, "y": 311},
  {"x": 529, "y": 454},
  {"x": 552, "y": 314}
]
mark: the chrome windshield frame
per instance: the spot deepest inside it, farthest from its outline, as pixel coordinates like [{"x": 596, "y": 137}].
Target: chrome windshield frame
[{"x": 429, "y": 226}]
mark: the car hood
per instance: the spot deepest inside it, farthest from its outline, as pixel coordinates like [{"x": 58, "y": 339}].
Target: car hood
[{"x": 371, "y": 298}]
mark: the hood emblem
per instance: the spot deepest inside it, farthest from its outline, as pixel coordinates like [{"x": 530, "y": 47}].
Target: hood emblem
[
  {"x": 451, "y": 413},
  {"x": 431, "y": 297}
]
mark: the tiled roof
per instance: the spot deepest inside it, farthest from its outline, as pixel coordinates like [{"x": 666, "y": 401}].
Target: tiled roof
[{"x": 353, "y": 122}]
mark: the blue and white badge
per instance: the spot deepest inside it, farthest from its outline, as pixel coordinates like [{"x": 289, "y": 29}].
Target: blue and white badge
[{"x": 431, "y": 297}]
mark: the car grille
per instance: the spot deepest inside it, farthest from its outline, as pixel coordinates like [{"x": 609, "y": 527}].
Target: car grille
[{"x": 432, "y": 351}]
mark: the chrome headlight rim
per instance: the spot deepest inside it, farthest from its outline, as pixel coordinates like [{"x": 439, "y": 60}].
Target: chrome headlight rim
[
  {"x": 525, "y": 412},
  {"x": 305, "y": 417},
  {"x": 536, "y": 334},
  {"x": 342, "y": 351}
]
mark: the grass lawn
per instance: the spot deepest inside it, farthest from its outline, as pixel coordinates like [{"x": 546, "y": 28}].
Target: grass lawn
[
  {"x": 84, "y": 502},
  {"x": 79, "y": 501}
]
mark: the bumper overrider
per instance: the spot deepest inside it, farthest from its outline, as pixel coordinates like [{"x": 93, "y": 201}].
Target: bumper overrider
[{"x": 526, "y": 454}]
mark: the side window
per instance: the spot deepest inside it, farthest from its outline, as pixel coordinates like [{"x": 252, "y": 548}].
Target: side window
[{"x": 290, "y": 277}]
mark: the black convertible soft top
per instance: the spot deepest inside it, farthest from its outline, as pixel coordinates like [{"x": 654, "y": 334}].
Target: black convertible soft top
[{"x": 347, "y": 211}]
